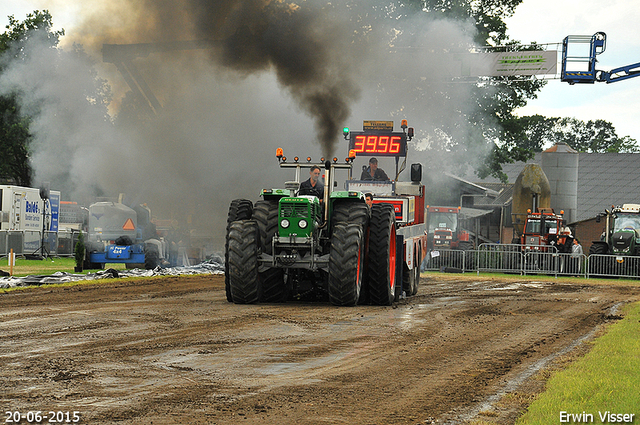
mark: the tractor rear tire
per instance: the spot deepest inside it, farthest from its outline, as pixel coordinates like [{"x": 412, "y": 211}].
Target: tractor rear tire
[
  {"x": 239, "y": 209},
  {"x": 346, "y": 264},
  {"x": 244, "y": 280},
  {"x": 351, "y": 212},
  {"x": 381, "y": 261},
  {"x": 274, "y": 288}
]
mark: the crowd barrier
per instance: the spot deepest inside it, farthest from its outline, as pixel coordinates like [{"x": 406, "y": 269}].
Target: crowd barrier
[
  {"x": 24, "y": 243},
  {"x": 523, "y": 260}
]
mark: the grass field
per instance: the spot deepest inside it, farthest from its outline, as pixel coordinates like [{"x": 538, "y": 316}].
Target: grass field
[
  {"x": 605, "y": 380},
  {"x": 46, "y": 266}
]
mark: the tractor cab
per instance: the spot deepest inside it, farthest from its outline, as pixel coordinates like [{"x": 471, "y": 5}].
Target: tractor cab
[{"x": 542, "y": 229}]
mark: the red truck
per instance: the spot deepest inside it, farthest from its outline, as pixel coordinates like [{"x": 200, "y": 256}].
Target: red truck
[{"x": 444, "y": 231}]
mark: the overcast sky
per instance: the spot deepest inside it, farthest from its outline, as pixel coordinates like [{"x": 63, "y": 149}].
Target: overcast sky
[
  {"x": 549, "y": 21},
  {"x": 543, "y": 21}
]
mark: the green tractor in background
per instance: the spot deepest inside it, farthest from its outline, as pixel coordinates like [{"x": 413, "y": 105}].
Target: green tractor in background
[
  {"x": 291, "y": 246},
  {"x": 620, "y": 238},
  {"x": 622, "y": 232}
]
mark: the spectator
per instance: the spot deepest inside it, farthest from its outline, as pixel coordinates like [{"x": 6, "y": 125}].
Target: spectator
[{"x": 576, "y": 256}]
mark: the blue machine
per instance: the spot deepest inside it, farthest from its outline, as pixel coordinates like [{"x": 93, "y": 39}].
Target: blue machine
[
  {"x": 579, "y": 61},
  {"x": 119, "y": 234}
]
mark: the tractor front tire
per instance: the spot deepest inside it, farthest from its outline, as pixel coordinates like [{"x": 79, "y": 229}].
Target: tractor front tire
[
  {"x": 346, "y": 264},
  {"x": 239, "y": 209},
  {"x": 381, "y": 261},
  {"x": 274, "y": 289},
  {"x": 265, "y": 213},
  {"x": 244, "y": 281},
  {"x": 600, "y": 266}
]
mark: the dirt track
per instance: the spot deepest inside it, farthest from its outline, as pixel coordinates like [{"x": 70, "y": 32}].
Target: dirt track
[{"x": 173, "y": 350}]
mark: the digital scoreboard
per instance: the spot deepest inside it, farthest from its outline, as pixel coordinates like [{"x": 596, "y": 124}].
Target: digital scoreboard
[{"x": 378, "y": 143}]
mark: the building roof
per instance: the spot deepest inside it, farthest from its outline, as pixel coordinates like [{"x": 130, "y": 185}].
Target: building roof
[
  {"x": 504, "y": 195},
  {"x": 473, "y": 188},
  {"x": 604, "y": 179}
]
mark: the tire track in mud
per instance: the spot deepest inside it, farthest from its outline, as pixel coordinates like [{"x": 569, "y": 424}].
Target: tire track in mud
[{"x": 173, "y": 350}]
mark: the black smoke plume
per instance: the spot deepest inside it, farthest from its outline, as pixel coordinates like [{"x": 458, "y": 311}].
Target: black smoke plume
[{"x": 297, "y": 42}]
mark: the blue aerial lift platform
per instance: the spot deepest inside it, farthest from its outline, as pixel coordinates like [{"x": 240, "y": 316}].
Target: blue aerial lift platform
[{"x": 579, "y": 61}]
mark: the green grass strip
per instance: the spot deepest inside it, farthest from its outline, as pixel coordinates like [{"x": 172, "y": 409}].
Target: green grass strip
[{"x": 607, "y": 379}]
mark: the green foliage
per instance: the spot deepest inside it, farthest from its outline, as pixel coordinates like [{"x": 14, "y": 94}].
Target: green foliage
[
  {"x": 533, "y": 133},
  {"x": 79, "y": 250},
  {"x": 597, "y": 136},
  {"x": 15, "y": 137},
  {"x": 14, "y": 141},
  {"x": 33, "y": 43},
  {"x": 37, "y": 24}
]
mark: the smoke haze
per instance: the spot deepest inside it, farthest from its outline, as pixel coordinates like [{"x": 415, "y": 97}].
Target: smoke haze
[{"x": 276, "y": 74}]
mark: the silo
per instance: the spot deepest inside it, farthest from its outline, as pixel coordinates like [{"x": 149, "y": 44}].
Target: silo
[
  {"x": 560, "y": 164},
  {"x": 530, "y": 191}
]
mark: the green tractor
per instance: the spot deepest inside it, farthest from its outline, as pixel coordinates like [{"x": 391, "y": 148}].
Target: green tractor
[
  {"x": 617, "y": 251},
  {"x": 292, "y": 246},
  {"x": 622, "y": 232}
]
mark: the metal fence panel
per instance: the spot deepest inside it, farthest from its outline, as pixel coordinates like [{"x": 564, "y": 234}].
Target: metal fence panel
[
  {"x": 3, "y": 243},
  {"x": 538, "y": 262},
  {"x": 572, "y": 265},
  {"x": 65, "y": 243},
  {"x": 15, "y": 241},
  {"x": 31, "y": 241},
  {"x": 440, "y": 259},
  {"x": 22, "y": 242},
  {"x": 613, "y": 266},
  {"x": 504, "y": 258}
]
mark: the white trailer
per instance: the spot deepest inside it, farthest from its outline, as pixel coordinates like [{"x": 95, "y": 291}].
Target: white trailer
[{"x": 22, "y": 209}]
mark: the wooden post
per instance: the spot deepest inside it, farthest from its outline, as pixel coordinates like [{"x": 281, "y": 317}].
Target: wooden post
[{"x": 12, "y": 260}]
